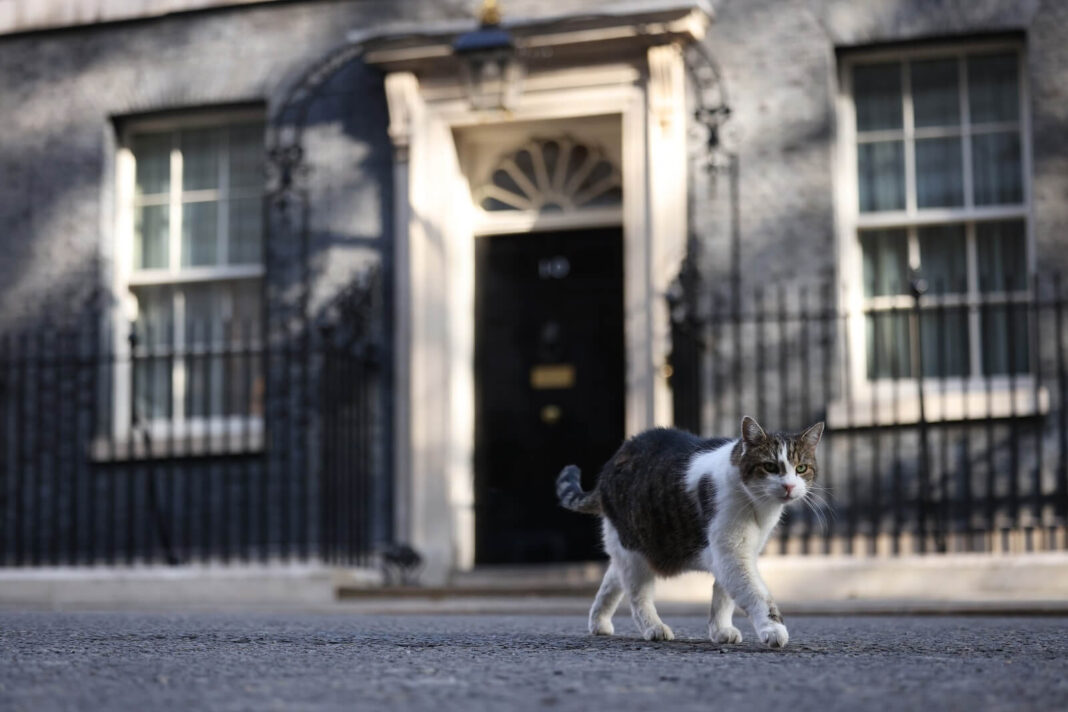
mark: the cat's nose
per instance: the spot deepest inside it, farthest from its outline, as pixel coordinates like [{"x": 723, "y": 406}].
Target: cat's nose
[{"x": 788, "y": 488}]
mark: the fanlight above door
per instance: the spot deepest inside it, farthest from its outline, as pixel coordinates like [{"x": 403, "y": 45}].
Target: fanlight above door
[{"x": 552, "y": 175}]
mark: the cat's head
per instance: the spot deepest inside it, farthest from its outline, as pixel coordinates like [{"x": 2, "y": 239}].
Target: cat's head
[{"x": 777, "y": 467}]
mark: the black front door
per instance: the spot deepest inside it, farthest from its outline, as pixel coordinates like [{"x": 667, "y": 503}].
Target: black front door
[{"x": 549, "y": 386}]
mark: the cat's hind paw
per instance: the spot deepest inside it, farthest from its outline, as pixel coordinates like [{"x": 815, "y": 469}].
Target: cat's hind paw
[
  {"x": 601, "y": 626},
  {"x": 658, "y": 632},
  {"x": 774, "y": 635},
  {"x": 725, "y": 636}
]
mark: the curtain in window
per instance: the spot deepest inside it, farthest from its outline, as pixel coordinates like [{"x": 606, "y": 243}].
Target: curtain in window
[
  {"x": 1000, "y": 247},
  {"x": 945, "y": 113},
  {"x": 153, "y": 359}
]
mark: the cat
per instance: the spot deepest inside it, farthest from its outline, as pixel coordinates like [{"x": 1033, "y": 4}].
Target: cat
[{"x": 672, "y": 502}]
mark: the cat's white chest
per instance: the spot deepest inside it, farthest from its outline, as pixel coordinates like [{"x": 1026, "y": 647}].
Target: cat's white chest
[
  {"x": 764, "y": 528},
  {"x": 740, "y": 533},
  {"x": 738, "y": 525},
  {"x": 738, "y": 528}
]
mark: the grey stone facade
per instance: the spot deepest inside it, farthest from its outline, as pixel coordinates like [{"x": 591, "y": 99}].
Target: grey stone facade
[
  {"x": 62, "y": 89},
  {"x": 63, "y": 92},
  {"x": 779, "y": 62}
]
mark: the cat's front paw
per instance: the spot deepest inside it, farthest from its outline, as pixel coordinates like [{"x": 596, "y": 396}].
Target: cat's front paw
[
  {"x": 658, "y": 632},
  {"x": 774, "y": 635},
  {"x": 725, "y": 636},
  {"x": 601, "y": 626}
]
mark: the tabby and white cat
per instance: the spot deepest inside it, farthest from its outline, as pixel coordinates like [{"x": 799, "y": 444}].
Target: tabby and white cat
[{"x": 672, "y": 502}]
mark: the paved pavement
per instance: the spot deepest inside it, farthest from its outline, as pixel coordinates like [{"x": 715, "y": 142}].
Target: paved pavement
[{"x": 338, "y": 660}]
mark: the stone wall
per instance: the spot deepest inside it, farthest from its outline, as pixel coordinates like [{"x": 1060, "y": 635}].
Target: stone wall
[
  {"x": 62, "y": 91},
  {"x": 779, "y": 62}
]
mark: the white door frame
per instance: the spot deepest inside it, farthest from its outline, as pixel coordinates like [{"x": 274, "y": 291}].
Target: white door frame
[{"x": 434, "y": 272}]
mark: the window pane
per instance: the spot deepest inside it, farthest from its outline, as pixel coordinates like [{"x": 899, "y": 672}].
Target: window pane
[
  {"x": 214, "y": 309},
  {"x": 205, "y": 310},
  {"x": 993, "y": 91},
  {"x": 152, "y": 380},
  {"x": 1002, "y": 255},
  {"x": 247, "y": 295},
  {"x": 152, "y": 156},
  {"x": 247, "y": 156},
  {"x": 200, "y": 159},
  {"x": 222, "y": 318},
  {"x": 888, "y": 344},
  {"x": 944, "y": 334},
  {"x": 877, "y": 93},
  {"x": 996, "y": 162},
  {"x": 939, "y": 175},
  {"x": 1004, "y": 339},
  {"x": 886, "y": 266},
  {"x": 943, "y": 259},
  {"x": 151, "y": 387},
  {"x": 200, "y": 234},
  {"x": 151, "y": 237},
  {"x": 204, "y": 305},
  {"x": 935, "y": 93},
  {"x": 155, "y": 316},
  {"x": 246, "y": 229},
  {"x": 881, "y": 176}
]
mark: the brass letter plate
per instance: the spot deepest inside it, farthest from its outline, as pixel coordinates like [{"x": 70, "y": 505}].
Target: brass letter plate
[{"x": 547, "y": 376}]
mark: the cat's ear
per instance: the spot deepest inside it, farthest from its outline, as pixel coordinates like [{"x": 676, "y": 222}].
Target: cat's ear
[
  {"x": 811, "y": 437},
  {"x": 752, "y": 433}
]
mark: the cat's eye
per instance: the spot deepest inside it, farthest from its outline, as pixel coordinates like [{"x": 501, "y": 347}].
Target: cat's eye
[
  {"x": 802, "y": 469},
  {"x": 771, "y": 466}
]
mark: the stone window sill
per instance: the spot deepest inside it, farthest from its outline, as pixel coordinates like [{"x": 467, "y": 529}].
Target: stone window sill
[{"x": 213, "y": 438}]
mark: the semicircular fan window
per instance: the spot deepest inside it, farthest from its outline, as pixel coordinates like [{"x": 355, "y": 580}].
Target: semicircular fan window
[{"x": 552, "y": 175}]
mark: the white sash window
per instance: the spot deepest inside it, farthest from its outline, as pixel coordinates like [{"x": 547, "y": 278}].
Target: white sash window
[
  {"x": 935, "y": 181},
  {"x": 190, "y": 260}
]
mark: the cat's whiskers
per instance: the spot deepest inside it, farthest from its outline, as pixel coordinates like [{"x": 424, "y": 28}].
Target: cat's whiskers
[
  {"x": 818, "y": 496},
  {"x": 820, "y": 519},
  {"x": 821, "y": 509}
]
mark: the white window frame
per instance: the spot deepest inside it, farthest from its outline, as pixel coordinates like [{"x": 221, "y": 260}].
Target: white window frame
[
  {"x": 178, "y": 426},
  {"x": 952, "y": 397}
]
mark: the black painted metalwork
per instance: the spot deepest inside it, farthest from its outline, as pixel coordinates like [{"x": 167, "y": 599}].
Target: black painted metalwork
[
  {"x": 105, "y": 460},
  {"x": 920, "y": 460}
]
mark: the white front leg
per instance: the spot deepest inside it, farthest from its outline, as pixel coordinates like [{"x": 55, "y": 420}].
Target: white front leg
[
  {"x": 738, "y": 575},
  {"x": 720, "y": 620}
]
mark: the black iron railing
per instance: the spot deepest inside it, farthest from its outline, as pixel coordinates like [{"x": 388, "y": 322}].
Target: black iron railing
[
  {"x": 947, "y": 426},
  {"x": 123, "y": 444}
]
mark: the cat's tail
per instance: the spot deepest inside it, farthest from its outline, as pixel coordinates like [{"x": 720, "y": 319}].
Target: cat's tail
[{"x": 569, "y": 492}]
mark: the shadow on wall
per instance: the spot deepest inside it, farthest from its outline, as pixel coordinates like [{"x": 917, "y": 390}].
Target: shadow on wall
[
  {"x": 314, "y": 245},
  {"x": 55, "y": 159}
]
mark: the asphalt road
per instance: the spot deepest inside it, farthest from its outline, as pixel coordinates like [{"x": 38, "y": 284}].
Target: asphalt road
[{"x": 328, "y": 661}]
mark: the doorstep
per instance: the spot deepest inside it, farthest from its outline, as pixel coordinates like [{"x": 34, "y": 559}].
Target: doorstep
[
  {"x": 271, "y": 584},
  {"x": 1035, "y": 583},
  {"x": 457, "y": 604},
  {"x": 934, "y": 584}
]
